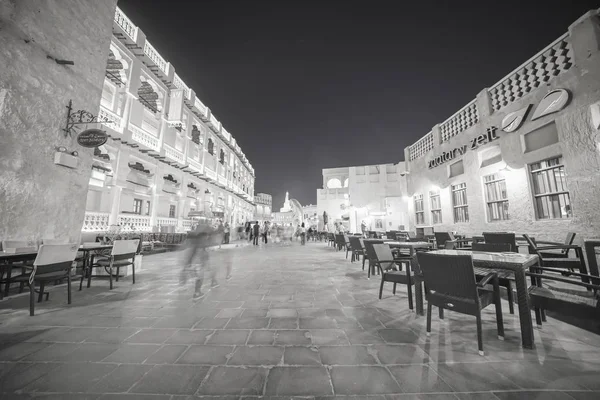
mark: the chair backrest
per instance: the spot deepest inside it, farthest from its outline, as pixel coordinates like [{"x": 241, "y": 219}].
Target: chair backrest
[
  {"x": 501, "y": 237},
  {"x": 347, "y": 240},
  {"x": 55, "y": 241},
  {"x": 532, "y": 245},
  {"x": 369, "y": 248},
  {"x": 441, "y": 238},
  {"x": 491, "y": 247},
  {"x": 448, "y": 275},
  {"x": 355, "y": 242},
  {"x": 590, "y": 252},
  {"x": 569, "y": 241},
  {"x": 384, "y": 253},
  {"x": 124, "y": 249},
  {"x": 55, "y": 257}
]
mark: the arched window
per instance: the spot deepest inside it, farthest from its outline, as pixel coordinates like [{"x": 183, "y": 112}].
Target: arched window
[
  {"x": 346, "y": 182},
  {"x": 211, "y": 147},
  {"x": 116, "y": 67},
  {"x": 196, "y": 135},
  {"x": 222, "y": 157},
  {"x": 334, "y": 183},
  {"x": 149, "y": 97}
]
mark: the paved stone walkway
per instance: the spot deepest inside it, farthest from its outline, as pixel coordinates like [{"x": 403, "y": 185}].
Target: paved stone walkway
[{"x": 292, "y": 321}]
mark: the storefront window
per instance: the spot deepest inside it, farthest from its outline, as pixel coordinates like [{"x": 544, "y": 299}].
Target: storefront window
[
  {"x": 137, "y": 206},
  {"x": 436, "y": 207},
  {"x": 419, "y": 210},
  {"x": 496, "y": 197},
  {"x": 459, "y": 202},
  {"x": 551, "y": 197},
  {"x": 172, "y": 211}
]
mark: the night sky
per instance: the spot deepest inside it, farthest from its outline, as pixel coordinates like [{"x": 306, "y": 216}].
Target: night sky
[{"x": 306, "y": 85}]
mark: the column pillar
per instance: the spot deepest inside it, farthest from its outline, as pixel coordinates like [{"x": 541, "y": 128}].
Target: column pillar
[
  {"x": 584, "y": 35},
  {"x": 115, "y": 201},
  {"x": 484, "y": 104}
]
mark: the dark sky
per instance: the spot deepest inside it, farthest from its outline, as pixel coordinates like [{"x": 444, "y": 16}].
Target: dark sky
[{"x": 306, "y": 85}]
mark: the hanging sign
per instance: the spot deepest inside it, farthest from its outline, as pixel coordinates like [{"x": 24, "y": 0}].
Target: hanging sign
[
  {"x": 92, "y": 138},
  {"x": 513, "y": 120},
  {"x": 477, "y": 141},
  {"x": 552, "y": 102}
]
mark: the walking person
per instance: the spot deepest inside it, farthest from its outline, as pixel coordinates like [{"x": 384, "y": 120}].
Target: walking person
[
  {"x": 255, "y": 232},
  {"x": 265, "y": 231},
  {"x": 226, "y": 233},
  {"x": 220, "y": 233},
  {"x": 302, "y": 234},
  {"x": 196, "y": 256}
]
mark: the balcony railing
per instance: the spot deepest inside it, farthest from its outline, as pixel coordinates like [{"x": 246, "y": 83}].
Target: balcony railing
[
  {"x": 110, "y": 119},
  {"x": 173, "y": 154},
  {"x": 164, "y": 221},
  {"x": 126, "y": 24},
  {"x": 195, "y": 165},
  {"x": 225, "y": 134},
  {"x": 95, "y": 222},
  {"x": 214, "y": 123},
  {"x": 153, "y": 55},
  {"x": 201, "y": 107},
  {"x": 143, "y": 137},
  {"x": 210, "y": 174},
  {"x": 186, "y": 225},
  {"x": 181, "y": 85},
  {"x": 133, "y": 222}
]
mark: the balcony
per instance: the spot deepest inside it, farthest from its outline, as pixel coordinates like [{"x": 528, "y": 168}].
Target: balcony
[
  {"x": 95, "y": 222},
  {"x": 126, "y": 25},
  {"x": 214, "y": 124},
  {"x": 133, "y": 222},
  {"x": 174, "y": 154},
  {"x": 196, "y": 166},
  {"x": 225, "y": 135},
  {"x": 165, "y": 221},
  {"x": 202, "y": 109},
  {"x": 210, "y": 174},
  {"x": 110, "y": 120},
  {"x": 222, "y": 180},
  {"x": 157, "y": 64},
  {"x": 145, "y": 138},
  {"x": 179, "y": 84}
]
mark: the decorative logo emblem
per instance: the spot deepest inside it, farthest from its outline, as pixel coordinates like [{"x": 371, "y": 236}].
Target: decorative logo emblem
[
  {"x": 92, "y": 138},
  {"x": 513, "y": 120},
  {"x": 552, "y": 102}
]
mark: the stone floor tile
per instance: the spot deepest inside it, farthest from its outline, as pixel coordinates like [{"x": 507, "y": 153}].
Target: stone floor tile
[
  {"x": 238, "y": 337},
  {"x": 16, "y": 376},
  {"x": 283, "y": 323},
  {"x": 81, "y": 377},
  {"x": 400, "y": 354},
  {"x": 171, "y": 379},
  {"x": 234, "y": 381},
  {"x": 398, "y": 335},
  {"x": 255, "y": 312},
  {"x": 418, "y": 379},
  {"x": 18, "y": 351},
  {"x": 292, "y": 337},
  {"x": 532, "y": 395},
  {"x": 211, "y": 323},
  {"x": 247, "y": 323},
  {"x": 151, "y": 336},
  {"x": 585, "y": 395},
  {"x": 363, "y": 380},
  {"x": 167, "y": 354},
  {"x": 54, "y": 352},
  {"x": 189, "y": 336},
  {"x": 329, "y": 337},
  {"x": 111, "y": 335},
  {"x": 186, "y": 321},
  {"x": 132, "y": 353},
  {"x": 473, "y": 377},
  {"x": 283, "y": 313},
  {"x": 135, "y": 396},
  {"x": 121, "y": 379},
  {"x": 301, "y": 356},
  {"x": 264, "y": 337},
  {"x": 256, "y": 355},
  {"x": 298, "y": 381},
  {"x": 318, "y": 323},
  {"x": 360, "y": 336},
  {"x": 230, "y": 313},
  {"x": 206, "y": 355},
  {"x": 347, "y": 355}
]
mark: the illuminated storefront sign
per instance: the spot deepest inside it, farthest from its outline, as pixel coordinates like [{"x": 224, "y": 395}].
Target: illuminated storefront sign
[
  {"x": 552, "y": 102},
  {"x": 477, "y": 141}
]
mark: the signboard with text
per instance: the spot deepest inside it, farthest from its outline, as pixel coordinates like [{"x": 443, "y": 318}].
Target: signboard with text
[
  {"x": 477, "y": 141},
  {"x": 92, "y": 138}
]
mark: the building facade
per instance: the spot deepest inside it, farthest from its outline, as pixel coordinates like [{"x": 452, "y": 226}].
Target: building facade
[
  {"x": 310, "y": 215},
  {"x": 375, "y": 194},
  {"x": 290, "y": 214},
  {"x": 168, "y": 157},
  {"x": 264, "y": 206},
  {"x": 524, "y": 155}
]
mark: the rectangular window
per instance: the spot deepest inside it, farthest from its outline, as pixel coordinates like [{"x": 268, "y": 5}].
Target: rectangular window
[
  {"x": 436, "y": 207},
  {"x": 496, "y": 198},
  {"x": 137, "y": 206},
  {"x": 147, "y": 207},
  {"x": 172, "y": 211},
  {"x": 419, "y": 210},
  {"x": 459, "y": 202},
  {"x": 551, "y": 197}
]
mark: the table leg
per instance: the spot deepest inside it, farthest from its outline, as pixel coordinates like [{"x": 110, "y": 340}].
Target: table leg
[
  {"x": 8, "y": 276},
  {"x": 524, "y": 309}
]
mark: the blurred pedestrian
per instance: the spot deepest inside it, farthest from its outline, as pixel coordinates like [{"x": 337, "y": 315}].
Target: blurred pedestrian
[
  {"x": 226, "y": 233},
  {"x": 255, "y": 232},
  {"x": 196, "y": 256}
]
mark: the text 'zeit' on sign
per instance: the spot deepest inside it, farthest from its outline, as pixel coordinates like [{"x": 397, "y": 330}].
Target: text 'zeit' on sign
[{"x": 459, "y": 151}]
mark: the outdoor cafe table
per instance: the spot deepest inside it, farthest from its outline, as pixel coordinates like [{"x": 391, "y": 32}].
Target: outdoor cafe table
[
  {"x": 517, "y": 263},
  {"x": 7, "y": 259}
]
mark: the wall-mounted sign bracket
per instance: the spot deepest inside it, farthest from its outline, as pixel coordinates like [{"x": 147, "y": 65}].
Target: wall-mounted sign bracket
[{"x": 80, "y": 117}]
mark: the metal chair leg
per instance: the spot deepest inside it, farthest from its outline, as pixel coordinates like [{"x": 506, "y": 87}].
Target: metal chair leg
[
  {"x": 511, "y": 300},
  {"x": 69, "y": 288},
  {"x": 41, "y": 295},
  {"x": 479, "y": 334},
  {"x": 32, "y": 299},
  {"x": 428, "y": 318}
]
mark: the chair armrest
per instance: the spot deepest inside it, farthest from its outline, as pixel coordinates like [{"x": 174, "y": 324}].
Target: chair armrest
[
  {"x": 565, "y": 280},
  {"x": 486, "y": 279},
  {"x": 560, "y": 247},
  {"x": 562, "y": 272},
  {"x": 549, "y": 243}
]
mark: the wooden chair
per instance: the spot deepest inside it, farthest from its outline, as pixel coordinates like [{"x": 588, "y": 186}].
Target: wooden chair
[
  {"x": 371, "y": 256},
  {"x": 330, "y": 239},
  {"x": 348, "y": 247},
  {"x": 390, "y": 268},
  {"x": 501, "y": 237},
  {"x": 357, "y": 249},
  {"x": 563, "y": 253},
  {"x": 504, "y": 277},
  {"x": 450, "y": 284},
  {"x": 340, "y": 242},
  {"x": 441, "y": 238},
  {"x": 566, "y": 263},
  {"x": 53, "y": 262},
  {"x": 122, "y": 255}
]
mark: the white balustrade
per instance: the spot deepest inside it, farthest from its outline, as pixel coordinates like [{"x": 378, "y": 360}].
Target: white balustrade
[
  {"x": 178, "y": 82},
  {"x": 195, "y": 165},
  {"x": 215, "y": 124},
  {"x": 163, "y": 221},
  {"x": 186, "y": 225},
  {"x": 133, "y": 222},
  {"x": 95, "y": 222},
  {"x": 126, "y": 24},
  {"x": 201, "y": 107},
  {"x": 156, "y": 58},
  {"x": 110, "y": 119},
  {"x": 225, "y": 134},
  {"x": 173, "y": 154},
  {"x": 143, "y": 137}
]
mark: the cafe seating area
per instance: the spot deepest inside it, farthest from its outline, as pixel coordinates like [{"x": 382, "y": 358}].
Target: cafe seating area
[{"x": 467, "y": 274}]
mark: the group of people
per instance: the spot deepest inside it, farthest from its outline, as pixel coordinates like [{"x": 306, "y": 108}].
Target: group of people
[{"x": 256, "y": 230}]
